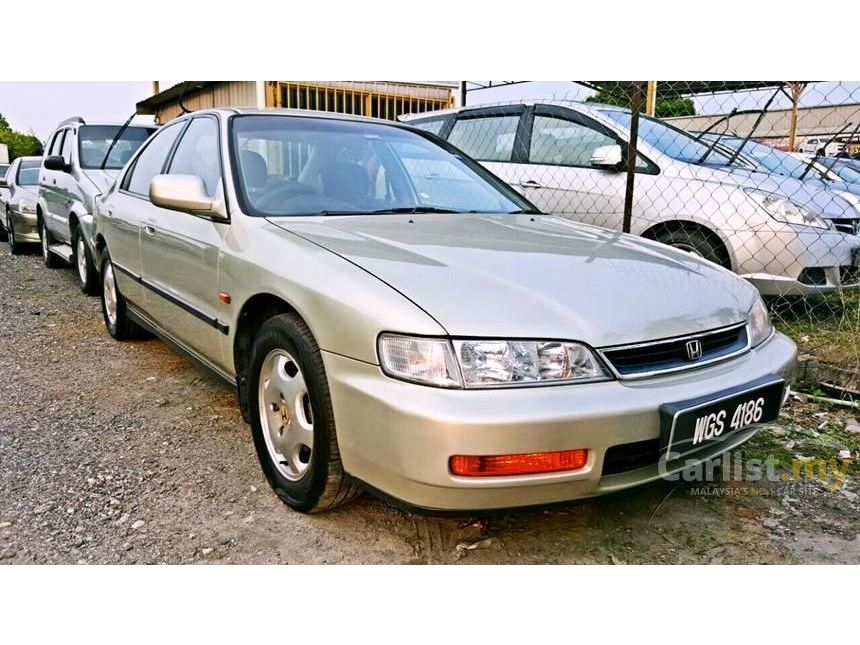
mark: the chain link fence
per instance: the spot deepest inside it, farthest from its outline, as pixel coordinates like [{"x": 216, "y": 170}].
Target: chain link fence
[{"x": 762, "y": 178}]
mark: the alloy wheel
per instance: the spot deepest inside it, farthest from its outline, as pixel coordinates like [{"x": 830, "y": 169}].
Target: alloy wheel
[
  {"x": 81, "y": 253},
  {"x": 110, "y": 295},
  {"x": 44, "y": 237}
]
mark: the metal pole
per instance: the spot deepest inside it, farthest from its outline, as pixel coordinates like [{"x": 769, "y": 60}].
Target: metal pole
[
  {"x": 462, "y": 93},
  {"x": 651, "y": 98},
  {"x": 636, "y": 107},
  {"x": 796, "y": 90}
]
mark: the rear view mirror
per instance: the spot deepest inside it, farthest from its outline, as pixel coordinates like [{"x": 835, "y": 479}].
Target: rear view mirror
[
  {"x": 606, "y": 156},
  {"x": 56, "y": 162},
  {"x": 185, "y": 193}
]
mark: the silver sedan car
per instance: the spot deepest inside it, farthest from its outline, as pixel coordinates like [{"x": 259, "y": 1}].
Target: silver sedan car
[
  {"x": 396, "y": 319},
  {"x": 18, "y": 213}
]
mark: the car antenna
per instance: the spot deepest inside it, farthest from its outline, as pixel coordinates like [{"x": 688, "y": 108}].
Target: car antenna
[
  {"x": 118, "y": 134},
  {"x": 819, "y": 151},
  {"x": 758, "y": 121}
]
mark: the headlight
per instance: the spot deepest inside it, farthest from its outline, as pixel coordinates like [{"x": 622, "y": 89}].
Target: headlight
[
  {"x": 785, "y": 210},
  {"x": 487, "y": 363},
  {"x": 27, "y": 207},
  {"x": 760, "y": 327}
]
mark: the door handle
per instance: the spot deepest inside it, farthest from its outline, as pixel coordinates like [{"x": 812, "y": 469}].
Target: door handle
[
  {"x": 149, "y": 229},
  {"x": 530, "y": 183}
]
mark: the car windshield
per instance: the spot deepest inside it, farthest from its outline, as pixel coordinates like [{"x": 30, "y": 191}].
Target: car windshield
[
  {"x": 318, "y": 166},
  {"x": 669, "y": 140},
  {"x": 775, "y": 161},
  {"x": 94, "y": 141},
  {"x": 28, "y": 172}
]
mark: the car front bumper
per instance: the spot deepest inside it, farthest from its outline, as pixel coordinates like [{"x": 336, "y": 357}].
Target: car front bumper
[
  {"x": 806, "y": 262},
  {"x": 26, "y": 226},
  {"x": 397, "y": 437}
]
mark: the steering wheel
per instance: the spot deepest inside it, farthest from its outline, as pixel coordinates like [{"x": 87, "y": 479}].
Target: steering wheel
[{"x": 275, "y": 199}]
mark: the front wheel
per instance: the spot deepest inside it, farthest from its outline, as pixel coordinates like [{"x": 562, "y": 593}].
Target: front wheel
[
  {"x": 51, "y": 261},
  {"x": 87, "y": 274},
  {"x": 696, "y": 242},
  {"x": 114, "y": 307},
  {"x": 292, "y": 420}
]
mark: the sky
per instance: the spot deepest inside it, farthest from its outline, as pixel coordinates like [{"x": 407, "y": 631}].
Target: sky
[{"x": 40, "y": 105}]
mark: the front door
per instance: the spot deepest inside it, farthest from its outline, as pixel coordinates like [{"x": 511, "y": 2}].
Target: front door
[{"x": 180, "y": 251}]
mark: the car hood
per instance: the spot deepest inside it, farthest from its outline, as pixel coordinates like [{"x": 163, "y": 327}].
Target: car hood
[
  {"x": 812, "y": 195},
  {"x": 103, "y": 179},
  {"x": 521, "y": 276}
]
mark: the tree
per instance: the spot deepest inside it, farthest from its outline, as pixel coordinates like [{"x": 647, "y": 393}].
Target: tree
[
  {"x": 20, "y": 144},
  {"x": 665, "y": 107}
]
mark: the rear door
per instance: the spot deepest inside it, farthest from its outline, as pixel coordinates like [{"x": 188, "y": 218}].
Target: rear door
[
  {"x": 121, "y": 217},
  {"x": 180, "y": 251}
]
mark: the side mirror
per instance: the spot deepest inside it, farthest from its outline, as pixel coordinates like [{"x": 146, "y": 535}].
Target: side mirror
[
  {"x": 185, "y": 193},
  {"x": 608, "y": 157},
  {"x": 4, "y": 183},
  {"x": 56, "y": 162}
]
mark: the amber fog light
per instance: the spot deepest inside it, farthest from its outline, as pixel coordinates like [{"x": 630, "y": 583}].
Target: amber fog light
[{"x": 525, "y": 464}]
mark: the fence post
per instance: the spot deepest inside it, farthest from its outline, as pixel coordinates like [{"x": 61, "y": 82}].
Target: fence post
[{"x": 637, "y": 92}]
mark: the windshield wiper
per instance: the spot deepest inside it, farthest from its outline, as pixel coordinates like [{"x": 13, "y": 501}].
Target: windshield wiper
[
  {"x": 525, "y": 211},
  {"x": 118, "y": 134},
  {"x": 820, "y": 150},
  {"x": 743, "y": 143},
  {"x": 407, "y": 210},
  {"x": 411, "y": 210}
]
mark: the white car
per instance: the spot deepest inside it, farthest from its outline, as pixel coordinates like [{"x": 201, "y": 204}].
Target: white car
[{"x": 569, "y": 159}]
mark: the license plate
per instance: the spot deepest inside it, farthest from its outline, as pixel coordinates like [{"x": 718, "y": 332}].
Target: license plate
[{"x": 688, "y": 426}]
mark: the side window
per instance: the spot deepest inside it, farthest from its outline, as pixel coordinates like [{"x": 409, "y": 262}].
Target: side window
[
  {"x": 56, "y": 143},
  {"x": 434, "y": 126},
  {"x": 560, "y": 142},
  {"x": 197, "y": 154},
  {"x": 151, "y": 160},
  {"x": 66, "y": 150},
  {"x": 489, "y": 138}
]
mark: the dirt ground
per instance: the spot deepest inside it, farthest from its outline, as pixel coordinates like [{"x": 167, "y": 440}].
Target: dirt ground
[{"x": 127, "y": 453}]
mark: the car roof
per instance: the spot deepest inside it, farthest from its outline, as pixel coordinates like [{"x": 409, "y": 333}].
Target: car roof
[{"x": 583, "y": 106}]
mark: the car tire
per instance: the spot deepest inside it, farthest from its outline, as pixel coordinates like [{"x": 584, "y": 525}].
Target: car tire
[
  {"x": 114, "y": 306},
  {"x": 696, "y": 241},
  {"x": 4, "y": 235},
  {"x": 51, "y": 261},
  {"x": 14, "y": 245},
  {"x": 286, "y": 366},
  {"x": 88, "y": 277}
]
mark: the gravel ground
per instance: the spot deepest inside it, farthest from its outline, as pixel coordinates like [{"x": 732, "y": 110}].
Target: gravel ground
[{"x": 127, "y": 453}]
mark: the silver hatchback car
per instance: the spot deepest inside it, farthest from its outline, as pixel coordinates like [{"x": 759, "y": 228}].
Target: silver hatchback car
[
  {"x": 568, "y": 158},
  {"x": 394, "y": 318}
]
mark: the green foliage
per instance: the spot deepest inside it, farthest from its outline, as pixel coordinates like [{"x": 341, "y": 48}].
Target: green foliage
[
  {"x": 665, "y": 107},
  {"x": 20, "y": 144}
]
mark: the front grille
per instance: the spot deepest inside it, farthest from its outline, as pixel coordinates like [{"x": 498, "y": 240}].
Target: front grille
[
  {"x": 847, "y": 225},
  {"x": 672, "y": 353},
  {"x": 630, "y": 456}
]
